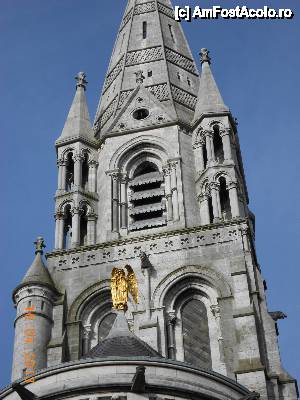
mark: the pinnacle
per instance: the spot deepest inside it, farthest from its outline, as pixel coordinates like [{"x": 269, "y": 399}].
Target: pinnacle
[
  {"x": 78, "y": 124},
  {"x": 209, "y": 99},
  {"x": 37, "y": 272}
]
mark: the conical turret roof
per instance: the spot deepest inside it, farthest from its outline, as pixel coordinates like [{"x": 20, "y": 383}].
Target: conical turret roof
[
  {"x": 37, "y": 272},
  {"x": 152, "y": 44},
  {"x": 78, "y": 123},
  {"x": 120, "y": 342},
  {"x": 209, "y": 99}
]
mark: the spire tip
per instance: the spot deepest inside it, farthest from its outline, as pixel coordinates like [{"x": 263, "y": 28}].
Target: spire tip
[
  {"x": 81, "y": 81},
  {"x": 204, "y": 56},
  {"x": 39, "y": 245}
]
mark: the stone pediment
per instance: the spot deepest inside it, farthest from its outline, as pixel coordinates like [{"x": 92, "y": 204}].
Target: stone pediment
[{"x": 141, "y": 111}]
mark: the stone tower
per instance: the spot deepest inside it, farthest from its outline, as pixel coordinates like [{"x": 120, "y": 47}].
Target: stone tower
[{"x": 156, "y": 183}]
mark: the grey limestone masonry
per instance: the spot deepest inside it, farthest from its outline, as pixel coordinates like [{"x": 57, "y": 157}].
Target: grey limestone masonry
[{"x": 157, "y": 183}]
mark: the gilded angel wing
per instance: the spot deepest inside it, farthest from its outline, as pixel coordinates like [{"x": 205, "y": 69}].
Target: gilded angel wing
[
  {"x": 132, "y": 283},
  {"x": 113, "y": 285}
]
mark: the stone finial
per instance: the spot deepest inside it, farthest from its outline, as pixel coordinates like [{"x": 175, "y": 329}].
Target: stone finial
[
  {"x": 81, "y": 81},
  {"x": 39, "y": 245},
  {"x": 139, "y": 77},
  {"x": 204, "y": 56}
]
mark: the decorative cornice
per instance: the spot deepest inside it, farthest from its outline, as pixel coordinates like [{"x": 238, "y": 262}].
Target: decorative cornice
[{"x": 137, "y": 239}]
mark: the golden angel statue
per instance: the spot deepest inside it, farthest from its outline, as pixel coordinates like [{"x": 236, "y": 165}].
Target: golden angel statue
[{"x": 122, "y": 285}]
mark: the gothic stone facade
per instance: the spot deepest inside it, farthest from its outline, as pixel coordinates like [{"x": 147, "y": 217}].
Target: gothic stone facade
[{"x": 156, "y": 183}]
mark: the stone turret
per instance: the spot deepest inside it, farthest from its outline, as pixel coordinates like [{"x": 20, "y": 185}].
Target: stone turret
[
  {"x": 76, "y": 196},
  {"x": 33, "y": 299},
  {"x": 220, "y": 182}
]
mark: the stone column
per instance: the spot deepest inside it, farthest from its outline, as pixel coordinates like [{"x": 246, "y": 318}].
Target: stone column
[
  {"x": 199, "y": 157},
  {"x": 225, "y": 135},
  {"x": 91, "y": 228},
  {"x": 59, "y": 230},
  {"x": 115, "y": 202},
  {"x": 234, "y": 200},
  {"x": 244, "y": 233},
  {"x": 215, "y": 309},
  {"x": 215, "y": 196},
  {"x": 171, "y": 321},
  {"x": 92, "y": 178},
  {"x": 76, "y": 226},
  {"x": 147, "y": 273},
  {"x": 173, "y": 167},
  {"x": 209, "y": 146},
  {"x": 166, "y": 172},
  {"x": 62, "y": 170},
  {"x": 77, "y": 170},
  {"x": 123, "y": 202},
  {"x": 86, "y": 339},
  {"x": 204, "y": 209}
]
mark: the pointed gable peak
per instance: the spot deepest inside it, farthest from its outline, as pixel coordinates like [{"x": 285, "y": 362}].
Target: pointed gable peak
[
  {"x": 209, "y": 99},
  {"x": 78, "y": 123},
  {"x": 142, "y": 110},
  {"x": 37, "y": 272}
]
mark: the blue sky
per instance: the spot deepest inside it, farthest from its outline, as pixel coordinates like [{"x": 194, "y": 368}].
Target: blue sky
[{"x": 44, "y": 43}]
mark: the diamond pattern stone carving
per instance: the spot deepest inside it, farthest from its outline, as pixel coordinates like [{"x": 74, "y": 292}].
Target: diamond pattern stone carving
[
  {"x": 104, "y": 117},
  {"x": 185, "y": 98},
  {"x": 126, "y": 19},
  {"x": 123, "y": 96},
  {"x": 145, "y": 55},
  {"x": 144, "y": 8},
  {"x": 166, "y": 10},
  {"x": 113, "y": 74},
  {"x": 180, "y": 60},
  {"x": 159, "y": 91}
]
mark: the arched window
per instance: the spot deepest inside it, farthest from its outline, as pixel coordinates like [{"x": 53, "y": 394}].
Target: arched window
[
  {"x": 224, "y": 200},
  {"x": 147, "y": 205},
  {"x": 70, "y": 172},
  {"x": 83, "y": 226},
  {"x": 105, "y": 325},
  {"x": 218, "y": 145},
  {"x": 196, "y": 341},
  {"x": 67, "y": 242},
  {"x": 85, "y": 172}
]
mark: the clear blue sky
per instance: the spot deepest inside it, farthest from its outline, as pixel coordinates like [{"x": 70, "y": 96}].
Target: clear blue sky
[{"x": 44, "y": 43}]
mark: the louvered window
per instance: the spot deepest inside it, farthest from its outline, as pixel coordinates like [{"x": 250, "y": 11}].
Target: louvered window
[{"x": 147, "y": 198}]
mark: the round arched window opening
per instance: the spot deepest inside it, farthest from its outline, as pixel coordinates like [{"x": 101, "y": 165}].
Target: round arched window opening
[{"x": 140, "y": 113}]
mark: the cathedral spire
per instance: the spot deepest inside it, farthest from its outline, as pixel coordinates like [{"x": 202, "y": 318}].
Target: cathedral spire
[
  {"x": 152, "y": 44},
  {"x": 209, "y": 99},
  {"x": 78, "y": 124}
]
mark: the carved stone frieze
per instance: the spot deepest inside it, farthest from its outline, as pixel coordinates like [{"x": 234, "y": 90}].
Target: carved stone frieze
[
  {"x": 185, "y": 98},
  {"x": 103, "y": 254},
  {"x": 180, "y": 61},
  {"x": 126, "y": 19},
  {"x": 169, "y": 12},
  {"x": 144, "y": 55},
  {"x": 113, "y": 74},
  {"x": 105, "y": 116},
  {"x": 144, "y": 8},
  {"x": 159, "y": 91}
]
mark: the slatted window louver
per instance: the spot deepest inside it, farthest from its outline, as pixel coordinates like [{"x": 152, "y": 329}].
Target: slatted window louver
[{"x": 147, "y": 198}]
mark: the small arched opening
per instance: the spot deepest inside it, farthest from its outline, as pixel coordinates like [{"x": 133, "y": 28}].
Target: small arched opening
[
  {"x": 218, "y": 145},
  {"x": 69, "y": 172},
  {"x": 67, "y": 232},
  {"x": 83, "y": 225},
  {"x": 85, "y": 172},
  {"x": 224, "y": 199}
]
